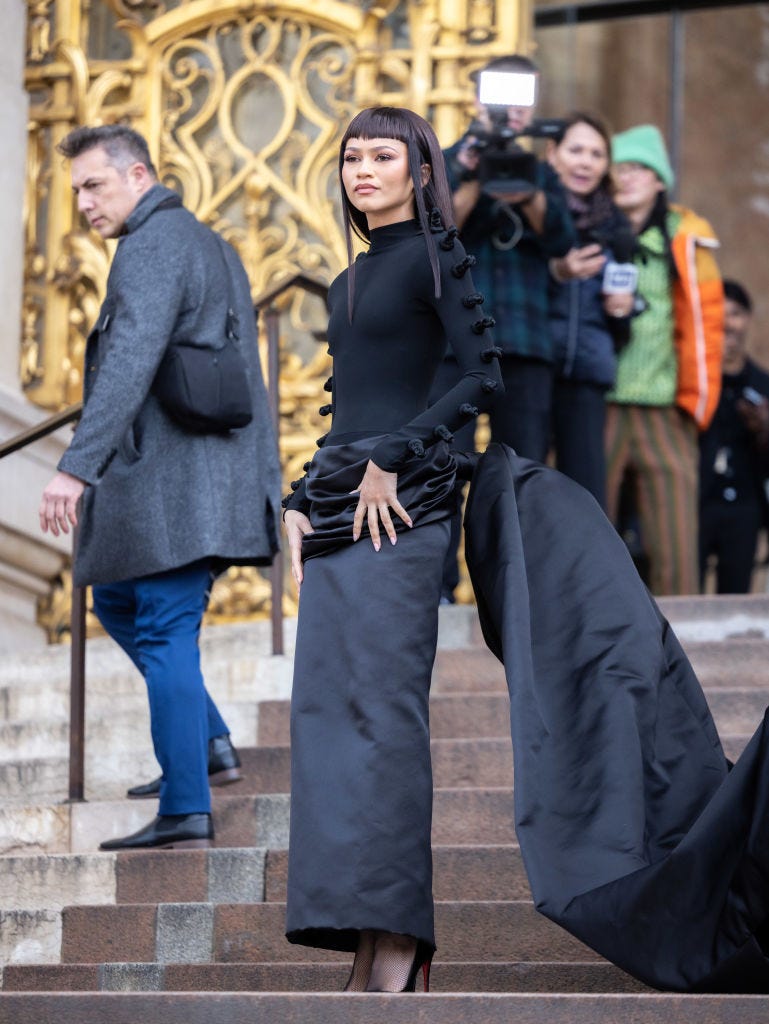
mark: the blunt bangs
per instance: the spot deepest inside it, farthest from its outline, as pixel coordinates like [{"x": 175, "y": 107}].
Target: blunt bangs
[{"x": 377, "y": 123}]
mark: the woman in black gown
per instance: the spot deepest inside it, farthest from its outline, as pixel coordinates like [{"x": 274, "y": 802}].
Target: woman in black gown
[
  {"x": 637, "y": 834},
  {"x": 368, "y": 528}
]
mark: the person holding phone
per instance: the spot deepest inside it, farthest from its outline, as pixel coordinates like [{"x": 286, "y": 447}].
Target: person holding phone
[
  {"x": 591, "y": 300},
  {"x": 734, "y": 456}
]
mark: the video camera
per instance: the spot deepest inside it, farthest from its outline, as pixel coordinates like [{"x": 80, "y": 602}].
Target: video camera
[{"x": 504, "y": 166}]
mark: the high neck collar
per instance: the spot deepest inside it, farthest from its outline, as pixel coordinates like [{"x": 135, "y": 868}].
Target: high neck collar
[
  {"x": 153, "y": 198},
  {"x": 391, "y": 234}
]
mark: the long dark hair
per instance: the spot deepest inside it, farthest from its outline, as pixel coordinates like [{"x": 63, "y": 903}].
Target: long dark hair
[{"x": 423, "y": 148}]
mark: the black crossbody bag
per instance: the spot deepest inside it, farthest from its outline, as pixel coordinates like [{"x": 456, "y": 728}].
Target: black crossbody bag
[{"x": 206, "y": 390}]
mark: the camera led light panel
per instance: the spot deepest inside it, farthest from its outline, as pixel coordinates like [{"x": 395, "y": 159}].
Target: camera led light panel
[{"x": 507, "y": 89}]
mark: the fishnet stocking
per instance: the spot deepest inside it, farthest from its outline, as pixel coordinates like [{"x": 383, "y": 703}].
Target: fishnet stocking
[
  {"x": 361, "y": 967},
  {"x": 394, "y": 957}
]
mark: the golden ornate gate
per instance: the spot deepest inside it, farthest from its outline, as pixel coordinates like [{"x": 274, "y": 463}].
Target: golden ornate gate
[{"x": 243, "y": 103}]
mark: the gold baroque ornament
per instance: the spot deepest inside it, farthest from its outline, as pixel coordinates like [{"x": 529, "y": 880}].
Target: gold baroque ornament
[
  {"x": 53, "y": 611},
  {"x": 264, "y": 95},
  {"x": 38, "y": 29},
  {"x": 243, "y": 103}
]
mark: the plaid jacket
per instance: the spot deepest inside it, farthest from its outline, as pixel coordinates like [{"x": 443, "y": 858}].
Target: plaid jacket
[{"x": 514, "y": 282}]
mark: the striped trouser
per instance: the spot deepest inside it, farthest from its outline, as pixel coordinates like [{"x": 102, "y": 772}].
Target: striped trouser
[{"x": 658, "y": 445}]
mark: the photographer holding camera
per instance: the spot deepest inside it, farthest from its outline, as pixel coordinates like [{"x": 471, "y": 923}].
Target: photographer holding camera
[
  {"x": 512, "y": 216},
  {"x": 734, "y": 456}
]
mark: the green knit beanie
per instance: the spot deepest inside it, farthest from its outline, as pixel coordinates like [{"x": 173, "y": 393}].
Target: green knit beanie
[{"x": 644, "y": 145}]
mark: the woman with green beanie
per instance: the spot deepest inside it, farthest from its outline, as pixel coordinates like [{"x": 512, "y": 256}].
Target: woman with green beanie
[{"x": 669, "y": 374}]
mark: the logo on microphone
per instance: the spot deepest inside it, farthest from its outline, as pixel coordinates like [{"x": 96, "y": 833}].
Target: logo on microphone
[{"x": 619, "y": 278}]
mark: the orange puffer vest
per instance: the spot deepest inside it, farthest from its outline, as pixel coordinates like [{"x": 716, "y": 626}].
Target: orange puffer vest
[{"x": 698, "y": 308}]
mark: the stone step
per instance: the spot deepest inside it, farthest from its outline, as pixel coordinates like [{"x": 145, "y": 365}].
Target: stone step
[
  {"x": 730, "y": 663},
  {"x": 460, "y": 817},
  {"x": 30, "y": 936},
  {"x": 220, "y": 645},
  {"x": 338, "y": 1008},
  {"x": 456, "y": 762},
  {"x": 245, "y": 933},
  {"x": 226, "y": 875},
  {"x": 717, "y": 616},
  {"x": 120, "y": 721},
  {"x": 80, "y": 827},
  {"x": 228, "y": 646},
  {"x": 735, "y": 711},
  {"x": 475, "y": 765},
  {"x": 485, "y": 873},
  {"x": 116, "y": 758},
  {"x": 217, "y": 875},
  {"x": 44, "y": 780},
  {"x": 445, "y": 976},
  {"x": 737, "y": 663},
  {"x": 41, "y": 698},
  {"x": 238, "y": 662},
  {"x": 34, "y": 765},
  {"x": 464, "y": 814},
  {"x": 470, "y": 670}
]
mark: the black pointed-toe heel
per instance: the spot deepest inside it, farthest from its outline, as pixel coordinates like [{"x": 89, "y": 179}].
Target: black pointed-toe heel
[{"x": 423, "y": 957}]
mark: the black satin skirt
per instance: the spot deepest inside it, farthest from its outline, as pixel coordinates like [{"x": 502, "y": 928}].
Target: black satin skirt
[{"x": 361, "y": 778}]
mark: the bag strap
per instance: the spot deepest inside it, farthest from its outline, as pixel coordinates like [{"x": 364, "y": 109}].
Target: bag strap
[{"x": 231, "y": 327}]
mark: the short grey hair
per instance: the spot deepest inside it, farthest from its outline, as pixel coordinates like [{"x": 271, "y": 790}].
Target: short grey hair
[{"x": 122, "y": 144}]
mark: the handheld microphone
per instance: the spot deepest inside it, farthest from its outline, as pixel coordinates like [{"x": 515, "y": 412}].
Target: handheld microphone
[{"x": 620, "y": 274}]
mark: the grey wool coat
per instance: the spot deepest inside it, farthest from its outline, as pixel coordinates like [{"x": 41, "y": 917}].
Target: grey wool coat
[{"x": 159, "y": 496}]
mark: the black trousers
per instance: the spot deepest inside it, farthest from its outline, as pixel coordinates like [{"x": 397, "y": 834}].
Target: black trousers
[
  {"x": 519, "y": 418},
  {"x": 579, "y": 420},
  {"x": 729, "y": 530}
]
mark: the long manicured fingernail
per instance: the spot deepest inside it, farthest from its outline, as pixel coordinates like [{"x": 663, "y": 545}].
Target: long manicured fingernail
[
  {"x": 377, "y": 545},
  {"x": 393, "y": 540}
]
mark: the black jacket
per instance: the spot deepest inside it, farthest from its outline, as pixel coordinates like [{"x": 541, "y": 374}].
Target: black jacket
[{"x": 733, "y": 466}]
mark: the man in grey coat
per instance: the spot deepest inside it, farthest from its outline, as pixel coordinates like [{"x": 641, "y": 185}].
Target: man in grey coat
[{"x": 162, "y": 509}]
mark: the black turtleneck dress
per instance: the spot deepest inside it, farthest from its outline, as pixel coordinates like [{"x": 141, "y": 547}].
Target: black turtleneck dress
[{"x": 361, "y": 781}]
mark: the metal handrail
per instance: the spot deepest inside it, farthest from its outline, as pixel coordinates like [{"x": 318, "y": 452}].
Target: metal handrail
[
  {"x": 304, "y": 281},
  {"x": 43, "y": 429},
  {"x": 264, "y": 302},
  {"x": 77, "y": 617}
]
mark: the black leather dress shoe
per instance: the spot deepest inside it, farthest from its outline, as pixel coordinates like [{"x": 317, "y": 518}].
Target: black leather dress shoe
[
  {"x": 168, "y": 832},
  {"x": 223, "y": 769}
]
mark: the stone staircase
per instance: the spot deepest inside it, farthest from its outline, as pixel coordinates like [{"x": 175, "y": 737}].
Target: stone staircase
[{"x": 197, "y": 935}]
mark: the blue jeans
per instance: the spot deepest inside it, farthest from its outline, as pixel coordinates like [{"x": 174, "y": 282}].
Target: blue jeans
[{"x": 156, "y": 620}]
